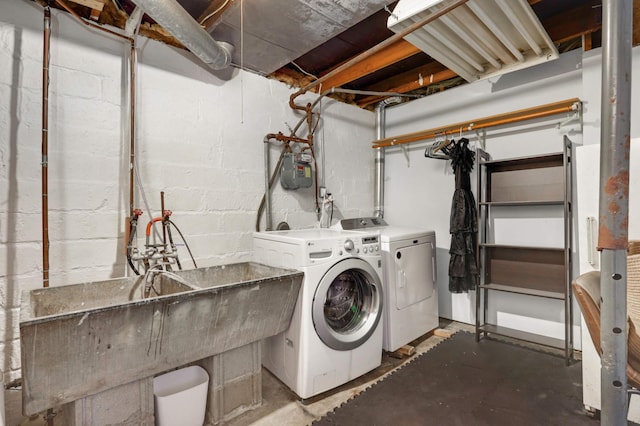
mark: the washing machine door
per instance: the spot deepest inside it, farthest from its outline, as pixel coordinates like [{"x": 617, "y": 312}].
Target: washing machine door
[{"x": 347, "y": 304}]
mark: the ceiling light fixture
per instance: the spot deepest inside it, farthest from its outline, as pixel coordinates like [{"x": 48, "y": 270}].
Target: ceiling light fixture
[{"x": 477, "y": 40}]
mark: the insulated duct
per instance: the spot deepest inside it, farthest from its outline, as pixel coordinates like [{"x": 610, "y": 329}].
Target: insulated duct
[{"x": 173, "y": 18}]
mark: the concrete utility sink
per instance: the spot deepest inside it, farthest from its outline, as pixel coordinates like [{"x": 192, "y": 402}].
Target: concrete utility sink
[
  {"x": 82, "y": 339},
  {"x": 100, "y": 294}
]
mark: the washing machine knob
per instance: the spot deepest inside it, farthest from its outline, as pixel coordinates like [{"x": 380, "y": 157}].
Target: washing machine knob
[{"x": 348, "y": 245}]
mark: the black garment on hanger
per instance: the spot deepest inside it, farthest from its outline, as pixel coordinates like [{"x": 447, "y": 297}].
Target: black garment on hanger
[{"x": 463, "y": 226}]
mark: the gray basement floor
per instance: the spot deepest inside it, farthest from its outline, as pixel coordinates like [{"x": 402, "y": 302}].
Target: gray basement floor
[{"x": 281, "y": 407}]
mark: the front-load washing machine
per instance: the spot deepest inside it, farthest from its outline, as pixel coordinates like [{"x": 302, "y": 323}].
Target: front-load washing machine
[
  {"x": 335, "y": 333},
  {"x": 409, "y": 278}
]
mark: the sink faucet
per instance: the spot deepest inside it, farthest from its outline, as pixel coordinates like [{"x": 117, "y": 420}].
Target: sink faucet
[{"x": 150, "y": 276}]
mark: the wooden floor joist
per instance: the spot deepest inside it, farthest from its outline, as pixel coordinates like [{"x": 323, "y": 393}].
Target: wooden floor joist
[{"x": 388, "y": 56}]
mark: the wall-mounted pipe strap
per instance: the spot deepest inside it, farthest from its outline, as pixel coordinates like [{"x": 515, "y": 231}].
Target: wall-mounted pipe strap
[{"x": 483, "y": 123}]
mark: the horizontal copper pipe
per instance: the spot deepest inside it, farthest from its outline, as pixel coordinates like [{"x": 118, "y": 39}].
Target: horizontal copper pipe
[{"x": 481, "y": 123}]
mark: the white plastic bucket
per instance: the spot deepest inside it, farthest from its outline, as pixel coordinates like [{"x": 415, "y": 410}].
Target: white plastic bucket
[{"x": 181, "y": 397}]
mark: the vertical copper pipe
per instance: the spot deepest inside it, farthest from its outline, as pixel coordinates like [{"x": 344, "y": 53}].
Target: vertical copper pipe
[
  {"x": 45, "y": 146},
  {"x": 164, "y": 229},
  {"x": 45, "y": 162}
]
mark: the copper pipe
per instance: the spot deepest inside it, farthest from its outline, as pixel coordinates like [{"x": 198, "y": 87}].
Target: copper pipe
[
  {"x": 46, "y": 60},
  {"x": 482, "y": 123},
  {"x": 164, "y": 219},
  {"x": 45, "y": 146},
  {"x": 375, "y": 49}
]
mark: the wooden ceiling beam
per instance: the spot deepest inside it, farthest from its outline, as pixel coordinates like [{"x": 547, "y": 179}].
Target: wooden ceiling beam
[
  {"x": 408, "y": 81},
  {"x": 636, "y": 22},
  {"x": 388, "y": 56},
  {"x": 211, "y": 16},
  {"x": 95, "y": 7},
  {"x": 437, "y": 78},
  {"x": 582, "y": 20}
]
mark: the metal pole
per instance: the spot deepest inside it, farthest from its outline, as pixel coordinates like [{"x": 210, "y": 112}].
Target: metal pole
[
  {"x": 45, "y": 145},
  {"x": 378, "y": 190},
  {"x": 132, "y": 124},
  {"x": 614, "y": 205}
]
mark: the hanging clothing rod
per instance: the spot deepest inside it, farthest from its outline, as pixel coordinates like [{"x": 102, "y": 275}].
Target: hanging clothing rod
[{"x": 554, "y": 108}]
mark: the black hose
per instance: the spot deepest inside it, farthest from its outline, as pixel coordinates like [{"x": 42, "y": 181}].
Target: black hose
[
  {"x": 185, "y": 243},
  {"x": 132, "y": 231},
  {"x": 173, "y": 246}
]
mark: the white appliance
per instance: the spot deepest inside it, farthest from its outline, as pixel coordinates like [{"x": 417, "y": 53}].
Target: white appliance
[
  {"x": 409, "y": 279},
  {"x": 335, "y": 334}
]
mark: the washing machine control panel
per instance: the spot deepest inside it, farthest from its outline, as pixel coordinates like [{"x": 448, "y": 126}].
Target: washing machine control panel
[{"x": 371, "y": 244}]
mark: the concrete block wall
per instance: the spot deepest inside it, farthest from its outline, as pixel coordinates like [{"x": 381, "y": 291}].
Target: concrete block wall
[{"x": 199, "y": 139}]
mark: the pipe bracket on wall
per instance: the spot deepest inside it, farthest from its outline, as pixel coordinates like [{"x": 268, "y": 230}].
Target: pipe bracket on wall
[
  {"x": 405, "y": 151},
  {"x": 577, "y": 115}
]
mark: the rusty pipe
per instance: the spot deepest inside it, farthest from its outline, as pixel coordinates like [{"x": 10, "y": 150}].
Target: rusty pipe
[
  {"x": 613, "y": 237},
  {"x": 375, "y": 49},
  {"x": 45, "y": 145}
]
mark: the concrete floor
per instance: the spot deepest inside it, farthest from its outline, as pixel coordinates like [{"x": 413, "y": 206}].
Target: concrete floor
[{"x": 281, "y": 407}]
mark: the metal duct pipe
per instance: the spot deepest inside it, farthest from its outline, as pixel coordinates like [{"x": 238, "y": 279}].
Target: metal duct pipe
[
  {"x": 378, "y": 192},
  {"x": 613, "y": 238},
  {"x": 173, "y": 18}
]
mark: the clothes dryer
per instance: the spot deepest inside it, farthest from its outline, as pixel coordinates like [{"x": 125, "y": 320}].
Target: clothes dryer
[
  {"x": 335, "y": 334},
  {"x": 409, "y": 279}
]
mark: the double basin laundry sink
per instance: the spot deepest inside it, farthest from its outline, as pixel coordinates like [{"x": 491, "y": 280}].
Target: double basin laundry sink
[{"x": 82, "y": 339}]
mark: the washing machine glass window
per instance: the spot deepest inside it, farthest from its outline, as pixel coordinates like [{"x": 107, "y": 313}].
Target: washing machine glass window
[{"x": 347, "y": 304}]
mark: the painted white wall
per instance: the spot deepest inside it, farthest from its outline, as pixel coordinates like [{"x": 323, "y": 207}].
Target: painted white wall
[
  {"x": 419, "y": 189},
  {"x": 199, "y": 139}
]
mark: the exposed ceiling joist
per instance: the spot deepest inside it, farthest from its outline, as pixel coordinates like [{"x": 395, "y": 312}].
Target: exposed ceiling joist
[
  {"x": 586, "y": 19},
  {"x": 409, "y": 81},
  {"x": 95, "y": 6},
  {"x": 396, "y": 52},
  {"x": 281, "y": 30}
]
